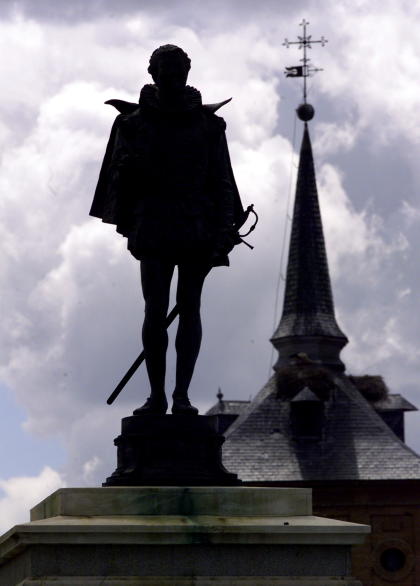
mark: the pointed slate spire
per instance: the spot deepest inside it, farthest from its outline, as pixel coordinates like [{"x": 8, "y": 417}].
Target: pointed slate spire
[{"x": 308, "y": 321}]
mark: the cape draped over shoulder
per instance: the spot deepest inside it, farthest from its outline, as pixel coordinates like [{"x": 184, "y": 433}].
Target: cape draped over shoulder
[{"x": 185, "y": 174}]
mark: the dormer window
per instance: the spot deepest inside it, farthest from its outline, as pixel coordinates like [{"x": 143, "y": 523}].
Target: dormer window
[{"x": 307, "y": 415}]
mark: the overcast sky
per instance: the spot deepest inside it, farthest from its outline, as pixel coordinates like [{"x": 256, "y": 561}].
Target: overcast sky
[{"x": 71, "y": 304}]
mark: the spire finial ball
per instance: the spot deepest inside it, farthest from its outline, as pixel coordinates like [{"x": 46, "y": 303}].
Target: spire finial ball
[{"x": 305, "y": 112}]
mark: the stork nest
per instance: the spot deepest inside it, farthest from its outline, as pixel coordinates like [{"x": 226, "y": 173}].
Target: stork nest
[
  {"x": 290, "y": 380},
  {"x": 372, "y": 387}
]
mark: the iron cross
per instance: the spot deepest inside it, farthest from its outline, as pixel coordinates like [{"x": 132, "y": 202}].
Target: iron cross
[{"x": 305, "y": 42}]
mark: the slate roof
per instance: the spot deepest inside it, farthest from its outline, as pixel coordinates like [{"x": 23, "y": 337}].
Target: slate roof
[
  {"x": 394, "y": 402},
  {"x": 294, "y": 437},
  {"x": 228, "y": 407},
  {"x": 308, "y": 302},
  {"x": 355, "y": 444}
]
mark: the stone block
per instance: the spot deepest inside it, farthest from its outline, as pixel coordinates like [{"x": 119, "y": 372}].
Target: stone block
[
  {"x": 199, "y": 536},
  {"x": 156, "y": 500}
]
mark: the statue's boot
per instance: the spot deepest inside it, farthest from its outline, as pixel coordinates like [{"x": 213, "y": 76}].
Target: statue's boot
[
  {"x": 182, "y": 405},
  {"x": 154, "y": 405}
]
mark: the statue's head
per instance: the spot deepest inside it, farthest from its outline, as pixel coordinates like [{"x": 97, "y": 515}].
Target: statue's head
[{"x": 169, "y": 66}]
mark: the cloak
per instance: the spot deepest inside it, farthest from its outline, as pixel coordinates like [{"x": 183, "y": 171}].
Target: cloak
[{"x": 125, "y": 188}]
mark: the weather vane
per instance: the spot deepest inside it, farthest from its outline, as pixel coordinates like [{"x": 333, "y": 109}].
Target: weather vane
[{"x": 305, "y": 70}]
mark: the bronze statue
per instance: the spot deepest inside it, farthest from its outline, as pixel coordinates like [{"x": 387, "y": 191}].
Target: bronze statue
[{"x": 167, "y": 184}]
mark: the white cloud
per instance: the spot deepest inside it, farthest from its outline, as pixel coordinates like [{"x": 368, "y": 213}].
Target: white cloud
[
  {"x": 373, "y": 66},
  {"x": 71, "y": 291},
  {"x": 356, "y": 240},
  {"x": 22, "y": 493},
  {"x": 410, "y": 212},
  {"x": 89, "y": 469},
  {"x": 332, "y": 138},
  {"x": 64, "y": 322}
]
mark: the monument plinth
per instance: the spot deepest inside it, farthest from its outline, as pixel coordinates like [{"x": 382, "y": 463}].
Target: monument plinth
[
  {"x": 170, "y": 450},
  {"x": 166, "y": 536}
]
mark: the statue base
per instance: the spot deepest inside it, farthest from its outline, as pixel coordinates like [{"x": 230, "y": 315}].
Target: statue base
[
  {"x": 170, "y": 450},
  {"x": 178, "y": 536}
]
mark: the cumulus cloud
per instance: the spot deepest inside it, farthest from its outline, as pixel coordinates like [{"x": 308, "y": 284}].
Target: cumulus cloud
[
  {"x": 334, "y": 137},
  {"x": 71, "y": 291},
  {"x": 356, "y": 239},
  {"x": 374, "y": 66},
  {"x": 22, "y": 493},
  {"x": 410, "y": 212}
]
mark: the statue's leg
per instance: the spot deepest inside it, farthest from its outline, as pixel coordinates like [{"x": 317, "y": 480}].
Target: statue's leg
[
  {"x": 156, "y": 279},
  {"x": 188, "y": 338}
]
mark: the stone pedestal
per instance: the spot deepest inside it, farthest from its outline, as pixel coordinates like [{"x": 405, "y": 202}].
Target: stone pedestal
[
  {"x": 170, "y": 450},
  {"x": 174, "y": 536}
]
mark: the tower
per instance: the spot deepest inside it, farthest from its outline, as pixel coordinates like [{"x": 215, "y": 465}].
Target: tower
[
  {"x": 312, "y": 424},
  {"x": 308, "y": 324}
]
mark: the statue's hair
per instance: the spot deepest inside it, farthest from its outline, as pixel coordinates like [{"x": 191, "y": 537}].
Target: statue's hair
[{"x": 163, "y": 50}]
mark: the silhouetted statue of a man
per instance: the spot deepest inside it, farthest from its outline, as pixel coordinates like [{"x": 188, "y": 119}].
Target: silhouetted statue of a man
[{"x": 167, "y": 184}]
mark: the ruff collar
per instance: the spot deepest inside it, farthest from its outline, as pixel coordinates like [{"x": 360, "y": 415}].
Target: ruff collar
[{"x": 149, "y": 96}]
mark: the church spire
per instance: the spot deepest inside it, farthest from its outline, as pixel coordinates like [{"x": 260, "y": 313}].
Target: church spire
[{"x": 308, "y": 323}]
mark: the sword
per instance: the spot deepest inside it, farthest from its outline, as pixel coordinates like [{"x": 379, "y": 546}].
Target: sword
[
  {"x": 140, "y": 358},
  {"x": 174, "y": 312}
]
